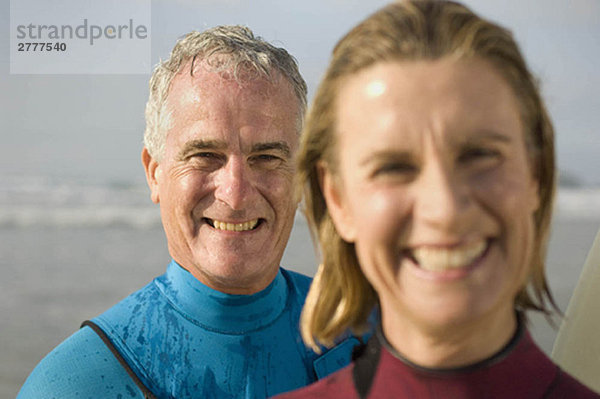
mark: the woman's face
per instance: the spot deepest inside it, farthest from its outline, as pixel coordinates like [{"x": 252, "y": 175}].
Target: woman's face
[{"x": 434, "y": 187}]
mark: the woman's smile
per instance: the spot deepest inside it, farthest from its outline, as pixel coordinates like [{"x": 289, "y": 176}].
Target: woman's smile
[{"x": 440, "y": 258}]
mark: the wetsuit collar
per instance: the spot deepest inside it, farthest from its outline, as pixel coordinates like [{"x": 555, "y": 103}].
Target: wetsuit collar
[
  {"x": 220, "y": 312},
  {"x": 495, "y": 358}
]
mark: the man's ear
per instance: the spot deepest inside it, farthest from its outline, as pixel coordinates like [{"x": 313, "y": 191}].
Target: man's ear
[
  {"x": 337, "y": 204},
  {"x": 152, "y": 168}
]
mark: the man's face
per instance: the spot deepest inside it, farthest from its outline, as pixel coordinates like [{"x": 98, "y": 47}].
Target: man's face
[{"x": 224, "y": 182}]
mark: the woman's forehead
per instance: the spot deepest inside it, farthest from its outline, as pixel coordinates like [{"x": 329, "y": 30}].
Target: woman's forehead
[{"x": 411, "y": 98}]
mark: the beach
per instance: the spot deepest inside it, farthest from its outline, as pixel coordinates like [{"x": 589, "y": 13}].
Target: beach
[{"x": 62, "y": 270}]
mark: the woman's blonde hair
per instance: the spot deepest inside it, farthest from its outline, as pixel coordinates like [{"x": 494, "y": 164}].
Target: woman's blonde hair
[{"x": 340, "y": 296}]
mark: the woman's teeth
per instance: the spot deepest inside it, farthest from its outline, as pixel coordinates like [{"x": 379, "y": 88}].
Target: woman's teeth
[
  {"x": 234, "y": 226},
  {"x": 440, "y": 259}
]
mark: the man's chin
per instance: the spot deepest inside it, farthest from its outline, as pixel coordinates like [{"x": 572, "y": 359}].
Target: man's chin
[{"x": 236, "y": 278}]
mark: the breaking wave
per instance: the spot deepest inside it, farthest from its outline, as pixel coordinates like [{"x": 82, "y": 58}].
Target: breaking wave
[
  {"x": 27, "y": 202},
  {"x": 42, "y": 201}
]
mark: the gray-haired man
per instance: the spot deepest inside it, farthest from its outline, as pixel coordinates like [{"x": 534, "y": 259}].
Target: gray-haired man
[{"x": 223, "y": 120}]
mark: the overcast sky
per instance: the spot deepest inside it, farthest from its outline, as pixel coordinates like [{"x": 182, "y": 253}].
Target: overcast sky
[{"x": 90, "y": 126}]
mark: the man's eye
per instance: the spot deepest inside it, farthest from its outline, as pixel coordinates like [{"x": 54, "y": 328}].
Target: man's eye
[
  {"x": 268, "y": 160},
  {"x": 266, "y": 157},
  {"x": 206, "y": 155},
  {"x": 206, "y": 160}
]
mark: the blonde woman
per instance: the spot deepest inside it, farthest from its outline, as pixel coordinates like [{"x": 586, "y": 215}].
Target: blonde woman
[{"x": 428, "y": 165}]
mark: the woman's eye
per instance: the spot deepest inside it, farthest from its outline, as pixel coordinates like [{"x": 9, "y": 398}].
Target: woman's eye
[
  {"x": 478, "y": 153},
  {"x": 395, "y": 168}
]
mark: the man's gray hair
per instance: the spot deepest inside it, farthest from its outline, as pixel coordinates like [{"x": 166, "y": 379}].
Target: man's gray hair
[{"x": 233, "y": 49}]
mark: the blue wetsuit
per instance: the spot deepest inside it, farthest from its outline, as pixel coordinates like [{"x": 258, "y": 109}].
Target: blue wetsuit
[{"x": 185, "y": 340}]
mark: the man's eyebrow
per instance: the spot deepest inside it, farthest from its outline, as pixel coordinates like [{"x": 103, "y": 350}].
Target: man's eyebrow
[
  {"x": 281, "y": 146},
  {"x": 195, "y": 145}
]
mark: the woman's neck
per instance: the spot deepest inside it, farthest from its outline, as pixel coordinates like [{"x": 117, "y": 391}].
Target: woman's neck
[{"x": 449, "y": 346}]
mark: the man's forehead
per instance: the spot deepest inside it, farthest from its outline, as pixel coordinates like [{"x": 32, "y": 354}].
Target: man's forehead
[
  {"x": 204, "y": 76},
  {"x": 204, "y": 89}
]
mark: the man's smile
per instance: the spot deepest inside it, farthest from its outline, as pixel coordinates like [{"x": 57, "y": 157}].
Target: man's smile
[{"x": 242, "y": 226}]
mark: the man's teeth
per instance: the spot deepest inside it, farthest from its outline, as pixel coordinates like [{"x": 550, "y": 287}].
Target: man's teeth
[
  {"x": 235, "y": 226},
  {"x": 439, "y": 259}
]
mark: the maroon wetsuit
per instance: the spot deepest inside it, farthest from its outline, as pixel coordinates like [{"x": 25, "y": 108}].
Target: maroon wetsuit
[{"x": 520, "y": 370}]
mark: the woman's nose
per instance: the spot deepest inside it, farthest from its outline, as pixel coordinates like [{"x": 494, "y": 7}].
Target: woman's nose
[{"x": 443, "y": 198}]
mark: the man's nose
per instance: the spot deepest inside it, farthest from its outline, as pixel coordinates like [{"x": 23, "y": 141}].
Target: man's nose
[{"x": 234, "y": 185}]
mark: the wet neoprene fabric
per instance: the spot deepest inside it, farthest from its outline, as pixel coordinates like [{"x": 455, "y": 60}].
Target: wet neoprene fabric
[
  {"x": 186, "y": 340},
  {"x": 519, "y": 371}
]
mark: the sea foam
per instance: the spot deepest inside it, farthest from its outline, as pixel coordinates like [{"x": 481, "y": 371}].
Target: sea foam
[{"x": 27, "y": 202}]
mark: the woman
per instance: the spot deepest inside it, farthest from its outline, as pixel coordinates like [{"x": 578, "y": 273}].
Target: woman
[{"x": 428, "y": 164}]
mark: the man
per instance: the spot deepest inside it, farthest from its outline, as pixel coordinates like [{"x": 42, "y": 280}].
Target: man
[{"x": 223, "y": 120}]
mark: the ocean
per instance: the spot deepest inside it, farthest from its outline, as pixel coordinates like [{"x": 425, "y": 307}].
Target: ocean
[{"x": 69, "y": 249}]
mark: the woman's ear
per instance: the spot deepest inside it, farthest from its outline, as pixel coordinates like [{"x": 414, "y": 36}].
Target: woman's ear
[
  {"x": 534, "y": 194},
  {"x": 337, "y": 203},
  {"x": 151, "y": 166},
  {"x": 534, "y": 185}
]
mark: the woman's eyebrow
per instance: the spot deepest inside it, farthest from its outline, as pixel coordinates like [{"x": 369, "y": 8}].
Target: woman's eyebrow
[
  {"x": 490, "y": 135},
  {"x": 387, "y": 155}
]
